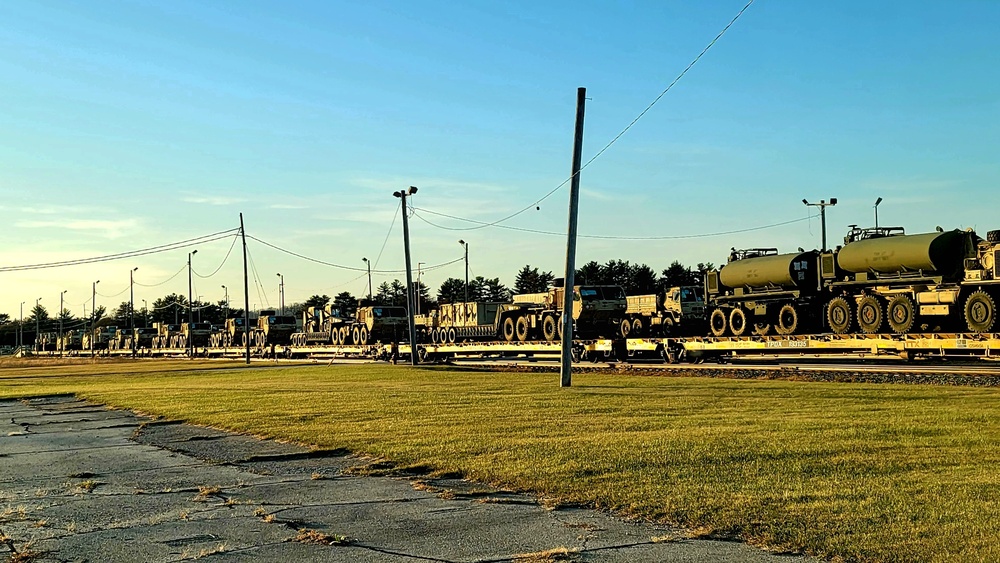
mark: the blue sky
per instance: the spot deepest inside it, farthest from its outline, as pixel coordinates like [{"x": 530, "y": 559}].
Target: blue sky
[{"x": 125, "y": 125}]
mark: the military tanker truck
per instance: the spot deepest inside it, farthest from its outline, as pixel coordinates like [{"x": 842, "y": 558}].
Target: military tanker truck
[
  {"x": 759, "y": 289},
  {"x": 597, "y": 312},
  {"x": 675, "y": 312},
  {"x": 882, "y": 276}
]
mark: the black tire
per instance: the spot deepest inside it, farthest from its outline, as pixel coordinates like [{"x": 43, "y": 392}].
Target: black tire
[
  {"x": 509, "y": 329},
  {"x": 717, "y": 322},
  {"x": 522, "y": 329},
  {"x": 901, "y": 314},
  {"x": 637, "y": 328},
  {"x": 452, "y": 336},
  {"x": 363, "y": 335},
  {"x": 355, "y": 335},
  {"x": 838, "y": 316},
  {"x": 737, "y": 321},
  {"x": 625, "y": 328},
  {"x": 993, "y": 236},
  {"x": 980, "y": 311},
  {"x": 869, "y": 314},
  {"x": 788, "y": 320},
  {"x": 550, "y": 330}
]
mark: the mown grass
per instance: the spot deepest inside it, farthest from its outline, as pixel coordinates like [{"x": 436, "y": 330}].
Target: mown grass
[{"x": 858, "y": 472}]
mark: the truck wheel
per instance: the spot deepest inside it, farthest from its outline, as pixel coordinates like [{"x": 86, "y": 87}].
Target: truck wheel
[
  {"x": 355, "y": 335},
  {"x": 901, "y": 314},
  {"x": 637, "y": 327},
  {"x": 625, "y": 328},
  {"x": 363, "y": 335},
  {"x": 869, "y": 314},
  {"x": 717, "y": 322},
  {"x": 452, "y": 336},
  {"x": 522, "y": 329},
  {"x": 508, "y": 329},
  {"x": 980, "y": 311},
  {"x": 549, "y": 329},
  {"x": 788, "y": 320},
  {"x": 737, "y": 321},
  {"x": 838, "y": 315}
]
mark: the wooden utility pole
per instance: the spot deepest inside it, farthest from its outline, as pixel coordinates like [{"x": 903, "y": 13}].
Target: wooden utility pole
[
  {"x": 566, "y": 367},
  {"x": 246, "y": 291},
  {"x": 410, "y": 294}
]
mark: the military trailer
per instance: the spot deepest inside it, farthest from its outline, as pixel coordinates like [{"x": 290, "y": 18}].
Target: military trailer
[
  {"x": 460, "y": 322},
  {"x": 272, "y": 328},
  {"x": 759, "y": 289},
  {"x": 597, "y": 312},
  {"x": 675, "y": 312}
]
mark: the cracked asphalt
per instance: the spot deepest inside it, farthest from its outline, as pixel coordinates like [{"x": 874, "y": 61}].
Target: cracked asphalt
[{"x": 79, "y": 482}]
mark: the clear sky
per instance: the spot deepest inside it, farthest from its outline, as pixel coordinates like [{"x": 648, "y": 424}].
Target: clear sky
[{"x": 126, "y": 125}]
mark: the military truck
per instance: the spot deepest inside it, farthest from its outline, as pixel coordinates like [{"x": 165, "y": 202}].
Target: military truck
[
  {"x": 47, "y": 341},
  {"x": 166, "y": 335},
  {"x": 272, "y": 328},
  {"x": 374, "y": 323},
  {"x": 597, "y": 312},
  {"x": 458, "y": 322},
  {"x": 98, "y": 338},
  {"x": 320, "y": 325},
  {"x": 675, "y": 312},
  {"x": 117, "y": 340},
  {"x": 230, "y": 334},
  {"x": 192, "y": 334},
  {"x": 142, "y": 337},
  {"x": 71, "y": 340}
]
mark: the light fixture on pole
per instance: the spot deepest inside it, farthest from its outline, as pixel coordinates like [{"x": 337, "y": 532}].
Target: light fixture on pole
[
  {"x": 409, "y": 276},
  {"x": 145, "y": 315},
  {"x": 37, "y": 324},
  {"x": 281, "y": 293},
  {"x": 226, "y": 289},
  {"x": 466, "y": 245},
  {"x": 369, "y": 265},
  {"x": 877, "y": 201},
  {"x": 190, "y": 343},
  {"x": 823, "y": 204}
]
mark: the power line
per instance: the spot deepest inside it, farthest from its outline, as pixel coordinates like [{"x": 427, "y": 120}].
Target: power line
[
  {"x": 123, "y": 255},
  {"x": 613, "y": 237},
  {"x": 224, "y": 260},
  {"x": 184, "y": 267},
  {"x": 341, "y": 266},
  {"x": 482, "y": 225}
]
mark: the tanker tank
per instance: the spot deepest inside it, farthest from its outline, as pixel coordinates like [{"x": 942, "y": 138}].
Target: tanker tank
[
  {"x": 790, "y": 271},
  {"x": 941, "y": 253}
]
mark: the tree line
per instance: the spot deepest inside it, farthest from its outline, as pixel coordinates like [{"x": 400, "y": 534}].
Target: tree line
[{"x": 635, "y": 279}]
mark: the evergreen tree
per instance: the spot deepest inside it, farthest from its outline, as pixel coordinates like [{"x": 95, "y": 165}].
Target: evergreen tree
[{"x": 453, "y": 291}]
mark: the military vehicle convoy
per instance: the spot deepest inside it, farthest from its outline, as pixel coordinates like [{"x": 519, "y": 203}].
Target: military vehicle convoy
[{"x": 880, "y": 280}]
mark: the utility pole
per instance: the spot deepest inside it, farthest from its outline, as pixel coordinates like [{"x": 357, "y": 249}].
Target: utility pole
[
  {"x": 409, "y": 275},
  {"x": 566, "y": 366},
  {"x": 190, "y": 343},
  {"x": 131, "y": 306},
  {"x": 60, "y": 344},
  {"x": 145, "y": 315},
  {"x": 37, "y": 324},
  {"x": 20, "y": 329},
  {"x": 246, "y": 291},
  {"x": 822, "y": 215},
  {"x": 226, "y": 314},
  {"x": 93, "y": 316},
  {"x": 466, "y": 245},
  {"x": 281, "y": 293},
  {"x": 369, "y": 265}
]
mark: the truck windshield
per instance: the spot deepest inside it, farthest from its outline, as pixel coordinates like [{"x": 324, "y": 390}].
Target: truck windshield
[
  {"x": 691, "y": 295},
  {"x": 380, "y": 312},
  {"x": 282, "y": 320}
]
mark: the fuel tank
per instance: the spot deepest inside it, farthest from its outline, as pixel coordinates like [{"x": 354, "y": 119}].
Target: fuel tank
[
  {"x": 933, "y": 253},
  {"x": 792, "y": 271}
]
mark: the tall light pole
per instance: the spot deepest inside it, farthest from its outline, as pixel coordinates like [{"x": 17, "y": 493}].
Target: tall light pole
[
  {"x": 281, "y": 293},
  {"x": 822, "y": 215},
  {"x": 416, "y": 288},
  {"x": 93, "y": 315},
  {"x": 466, "y": 245},
  {"x": 20, "y": 326},
  {"x": 37, "y": 324},
  {"x": 59, "y": 345},
  {"x": 877, "y": 201},
  {"x": 409, "y": 276},
  {"x": 145, "y": 315},
  {"x": 369, "y": 265},
  {"x": 226, "y": 315},
  {"x": 190, "y": 306},
  {"x": 131, "y": 301}
]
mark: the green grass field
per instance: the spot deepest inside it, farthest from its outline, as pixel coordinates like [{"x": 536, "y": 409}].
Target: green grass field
[{"x": 845, "y": 471}]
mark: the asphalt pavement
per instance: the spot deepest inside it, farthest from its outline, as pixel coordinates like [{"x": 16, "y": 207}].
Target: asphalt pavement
[{"x": 80, "y": 482}]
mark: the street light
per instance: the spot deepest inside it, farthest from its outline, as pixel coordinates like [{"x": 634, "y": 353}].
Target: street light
[
  {"x": 190, "y": 306},
  {"x": 145, "y": 315},
  {"x": 226, "y": 289},
  {"x": 131, "y": 302},
  {"x": 59, "y": 343},
  {"x": 369, "y": 265},
  {"x": 409, "y": 276},
  {"x": 466, "y": 245},
  {"x": 281, "y": 293},
  {"x": 20, "y": 326},
  {"x": 877, "y": 201},
  {"x": 93, "y": 315},
  {"x": 822, "y": 214}
]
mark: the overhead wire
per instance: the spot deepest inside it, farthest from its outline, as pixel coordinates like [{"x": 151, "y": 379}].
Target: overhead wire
[
  {"x": 224, "y": 260},
  {"x": 481, "y": 225}
]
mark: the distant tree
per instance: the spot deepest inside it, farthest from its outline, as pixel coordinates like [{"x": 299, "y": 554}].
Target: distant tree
[
  {"x": 391, "y": 293},
  {"x": 169, "y": 309},
  {"x": 677, "y": 275},
  {"x": 493, "y": 290},
  {"x": 347, "y": 304},
  {"x": 316, "y": 301},
  {"x": 643, "y": 280},
  {"x": 452, "y": 291},
  {"x": 4, "y": 318},
  {"x": 590, "y": 273},
  {"x": 530, "y": 280},
  {"x": 39, "y": 312}
]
